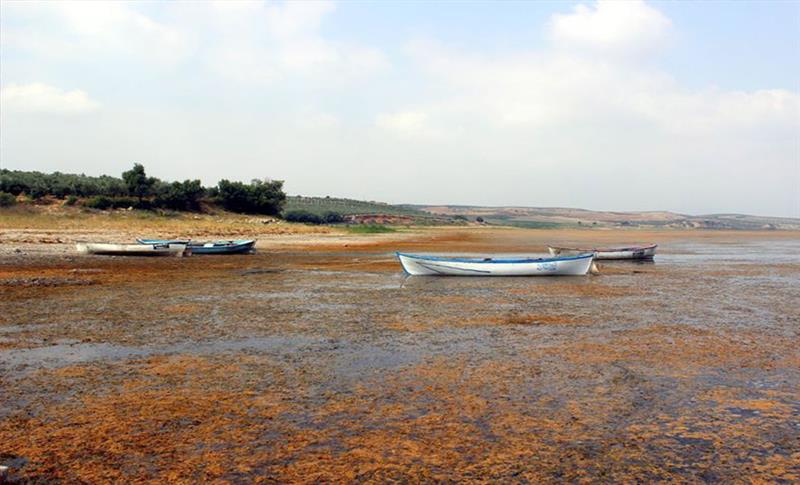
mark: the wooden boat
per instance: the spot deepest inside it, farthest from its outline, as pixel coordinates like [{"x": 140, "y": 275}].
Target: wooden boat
[
  {"x": 168, "y": 249},
  {"x": 415, "y": 264},
  {"x": 634, "y": 252},
  {"x": 213, "y": 247}
]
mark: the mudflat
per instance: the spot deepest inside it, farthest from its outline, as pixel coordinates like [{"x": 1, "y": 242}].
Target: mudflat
[{"x": 317, "y": 359}]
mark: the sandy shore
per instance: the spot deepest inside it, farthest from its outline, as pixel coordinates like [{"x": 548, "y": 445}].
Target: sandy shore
[{"x": 317, "y": 360}]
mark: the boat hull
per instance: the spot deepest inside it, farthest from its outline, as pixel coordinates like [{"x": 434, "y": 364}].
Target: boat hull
[
  {"x": 237, "y": 248},
  {"x": 219, "y": 247},
  {"x": 637, "y": 252},
  {"x": 419, "y": 265},
  {"x": 133, "y": 249}
]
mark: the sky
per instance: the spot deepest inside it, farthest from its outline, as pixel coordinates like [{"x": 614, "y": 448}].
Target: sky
[{"x": 692, "y": 107}]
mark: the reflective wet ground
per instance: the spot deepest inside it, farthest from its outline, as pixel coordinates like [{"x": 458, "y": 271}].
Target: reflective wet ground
[{"x": 309, "y": 364}]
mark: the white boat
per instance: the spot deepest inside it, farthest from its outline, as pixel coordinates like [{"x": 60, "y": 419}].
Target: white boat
[
  {"x": 634, "y": 252},
  {"x": 418, "y": 265},
  {"x": 133, "y": 249}
]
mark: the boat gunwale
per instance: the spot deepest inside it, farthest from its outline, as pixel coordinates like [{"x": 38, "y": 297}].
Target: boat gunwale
[
  {"x": 607, "y": 250},
  {"x": 129, "y": 249},
  {"x": 193, "y": 245}
]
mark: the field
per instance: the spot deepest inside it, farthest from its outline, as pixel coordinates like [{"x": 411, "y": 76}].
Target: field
[
  {"x": 321, "y": 205},
  {"x": 317, "y": 360}
]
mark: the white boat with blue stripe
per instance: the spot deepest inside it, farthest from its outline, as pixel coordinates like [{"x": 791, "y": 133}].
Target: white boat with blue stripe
[
  {"x": 420, "y": 265},
  {"x": 646, "y": 251}
]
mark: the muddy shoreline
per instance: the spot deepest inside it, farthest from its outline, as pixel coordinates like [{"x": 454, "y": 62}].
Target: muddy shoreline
[{"x": 317, "y": 359}]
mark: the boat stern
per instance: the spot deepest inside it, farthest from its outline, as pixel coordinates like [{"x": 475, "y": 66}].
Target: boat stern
[
  {"x": 179, "y": 250},
  {"x": 579, "y": 265}
]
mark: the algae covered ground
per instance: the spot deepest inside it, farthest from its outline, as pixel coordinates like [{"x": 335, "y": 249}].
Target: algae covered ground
[{"x": 317, "y": 359}]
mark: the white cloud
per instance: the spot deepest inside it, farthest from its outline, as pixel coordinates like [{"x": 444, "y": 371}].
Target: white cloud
[
  {"x": 580, "y": 122},
  {"x": 715, "y": 111},
  {"x": 239, "y": 40},
  {"x": 42, "y": 98},
  {"x": 405, "y": 123},
  {"x": 612, "y": 26},
  {"x": 82, "y": 30},
  {"x": 255, "y": 41},
  {"x": 318, "y": 120},
  {"x": 619, "y": 133},
  {"x": 556, "y": 87},
  {"x": 296, "y": 19},
  {"x": 265, "y": 42}
]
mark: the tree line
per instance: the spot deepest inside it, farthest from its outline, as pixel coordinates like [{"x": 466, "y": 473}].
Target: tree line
[{"x": 136, "y": 189}]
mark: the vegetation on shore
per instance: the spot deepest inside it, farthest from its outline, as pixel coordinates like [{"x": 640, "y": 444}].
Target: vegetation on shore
[
  {"x": 136, "y": 190},
  {"x": 370, "y": 229},
  {"x": 323, "y": 205},
  {"x": 306, "y": 217},
  {"x": 7, "y": 200}
]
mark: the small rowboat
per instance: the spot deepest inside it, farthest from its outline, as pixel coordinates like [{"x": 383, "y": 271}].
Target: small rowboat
[
  {"x": 419, "y": 265},
  {"x": 168, "y": 249},
  {"x": 214, "y": 247},
  {"x": 635, "y": 252}
]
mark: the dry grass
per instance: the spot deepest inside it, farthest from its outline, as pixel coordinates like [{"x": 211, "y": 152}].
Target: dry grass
[{"x": 67, "y": 221}]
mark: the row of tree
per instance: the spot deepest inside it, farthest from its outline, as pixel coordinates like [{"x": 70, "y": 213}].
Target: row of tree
[
  {"x": 307, "y": 217},
  {"x": 138, "y": 190}
]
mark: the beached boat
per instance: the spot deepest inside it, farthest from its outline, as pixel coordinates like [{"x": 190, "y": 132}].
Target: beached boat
[
  {"x": 168, "y": 249},
  {"x": 213, "y": 247},
  {"x": 419, "y": 265},
  {"x": 634, "y": 252}
]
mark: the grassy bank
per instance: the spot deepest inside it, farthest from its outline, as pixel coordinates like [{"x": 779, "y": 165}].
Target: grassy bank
[
  {"x": 322, "y": 205},
  {"x": 370, "y": 229}
]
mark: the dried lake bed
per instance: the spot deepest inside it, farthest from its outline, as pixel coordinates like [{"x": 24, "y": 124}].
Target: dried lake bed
[{"x": 323, "y": 362}]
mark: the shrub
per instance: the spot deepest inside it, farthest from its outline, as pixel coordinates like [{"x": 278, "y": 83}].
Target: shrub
[
  {"x": 37, "y": 184},
  {"x": 71, "y": 200},
  {"x": 258, "y": 197},
  {"x": 303, "y": 216},
  {"x": 332, "y": 218},
  {"x": 138, "y": 183},
  {"x": 99, "y": 202},
  {"x": 125, "y": 202},
  {"x": 181, "y": 195},
  {"x": 7, "y": 200},
  {"x": 105, "y": 185}
]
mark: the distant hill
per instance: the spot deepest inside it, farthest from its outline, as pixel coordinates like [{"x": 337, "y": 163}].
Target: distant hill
[
  {"x": 535, "y": 217},
  {"x": 545, "y": 217}
]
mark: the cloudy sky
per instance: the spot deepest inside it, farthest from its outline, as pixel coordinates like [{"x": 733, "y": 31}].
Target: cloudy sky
[{"x": 685, "y": 106}]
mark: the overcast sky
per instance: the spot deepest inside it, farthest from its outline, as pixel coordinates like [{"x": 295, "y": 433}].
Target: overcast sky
[{"x": 686, "y": 106}]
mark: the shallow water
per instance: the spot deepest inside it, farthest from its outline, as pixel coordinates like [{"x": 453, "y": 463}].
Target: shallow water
[{"x": 684, "y": 368}]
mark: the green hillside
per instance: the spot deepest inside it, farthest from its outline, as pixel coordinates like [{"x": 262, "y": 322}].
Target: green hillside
[{"x": 321, "y": 205}]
